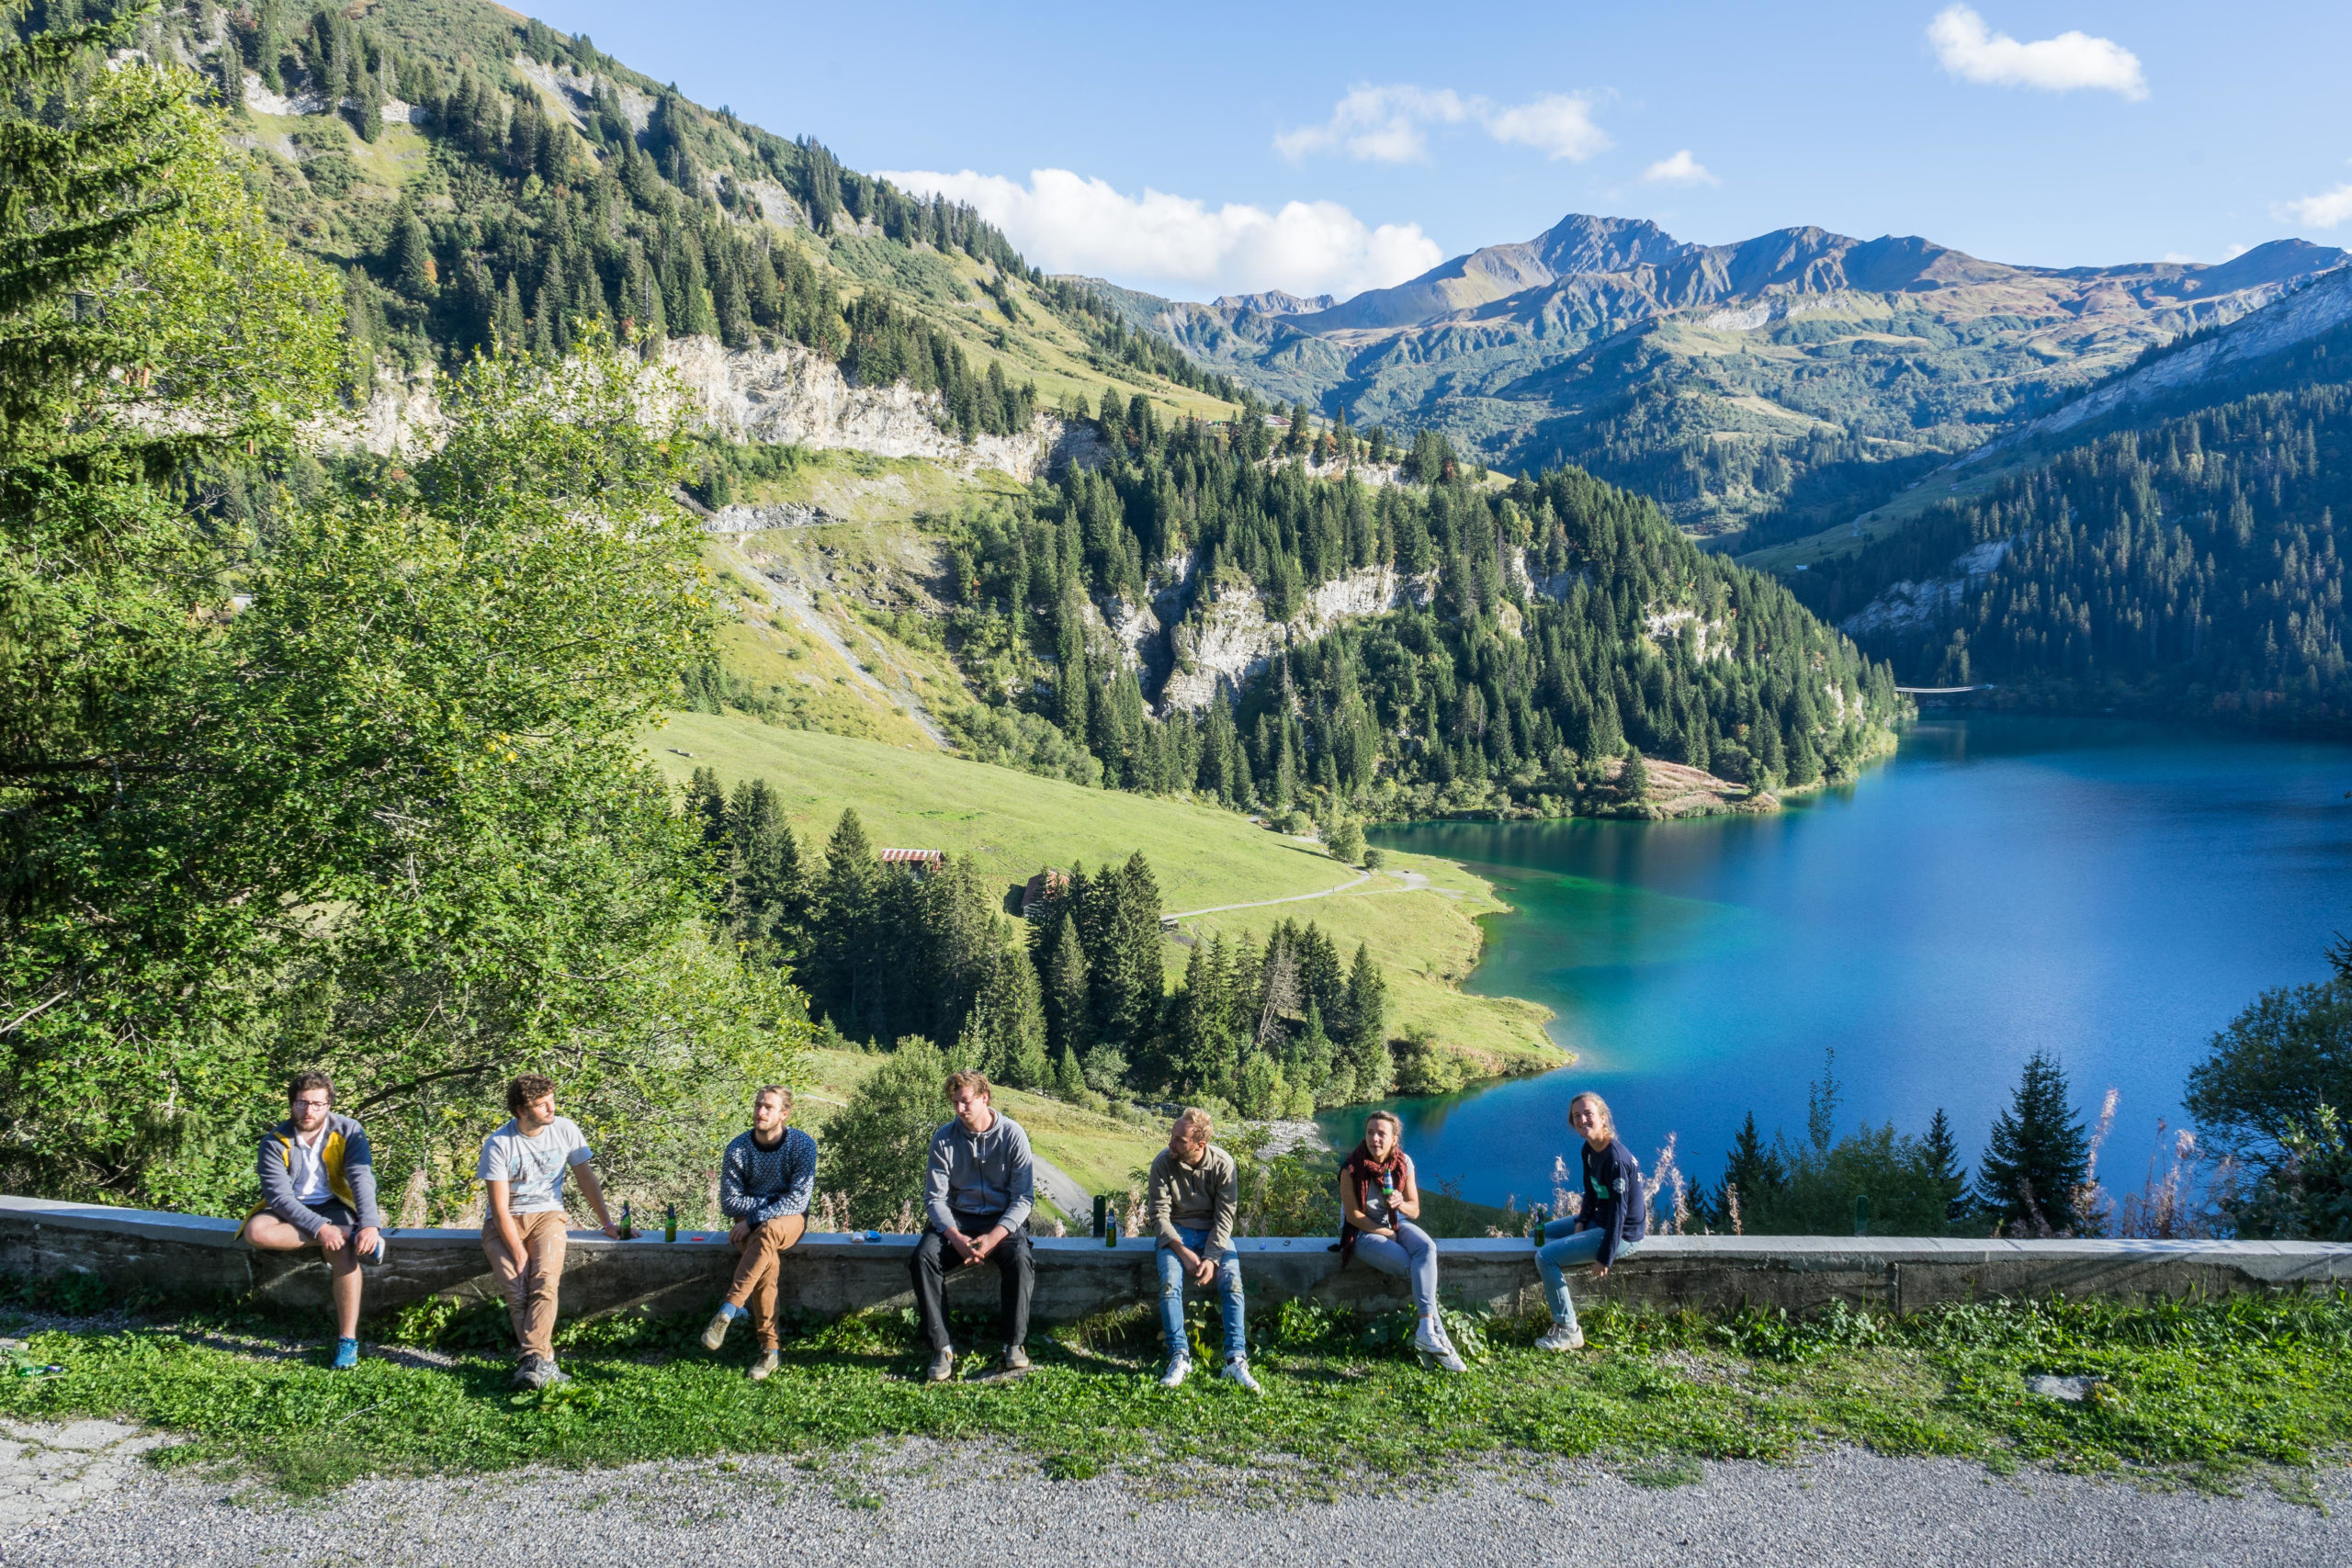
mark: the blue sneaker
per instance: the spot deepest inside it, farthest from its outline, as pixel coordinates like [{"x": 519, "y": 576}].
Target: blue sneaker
[{"x": 346, "y": 1354}]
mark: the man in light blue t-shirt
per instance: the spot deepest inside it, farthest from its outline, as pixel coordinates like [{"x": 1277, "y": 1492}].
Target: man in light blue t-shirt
[{"x": 522, "y": 1165}]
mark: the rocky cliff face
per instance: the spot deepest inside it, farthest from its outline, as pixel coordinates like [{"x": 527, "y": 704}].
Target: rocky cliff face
[
  {"x": 1227, "y": 639},
  {"x": 791, "y": 395}
]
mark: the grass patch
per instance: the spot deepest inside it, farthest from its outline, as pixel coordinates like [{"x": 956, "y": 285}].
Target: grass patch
[{"x": 2209, "y": 1393}]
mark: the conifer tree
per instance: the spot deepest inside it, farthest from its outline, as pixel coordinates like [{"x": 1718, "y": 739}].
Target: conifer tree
[
  {"x": 1753, "y": 1173},
  {"x": 1066, "y": 990},
  {"x": 2037, "y": 1154},
  {"x": 1367, "y": 1042},
  {"x": 1070, "y": 1077},
  {"x": 1943, "y": 1151},
  {"x": 411, "y": 255}
]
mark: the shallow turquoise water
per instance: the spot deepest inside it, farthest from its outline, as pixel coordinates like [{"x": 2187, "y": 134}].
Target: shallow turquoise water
[{"x": 2112, "y": 891}]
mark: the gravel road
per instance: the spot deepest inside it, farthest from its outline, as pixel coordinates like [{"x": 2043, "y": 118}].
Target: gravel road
[{"x": 935, "y": 1503}]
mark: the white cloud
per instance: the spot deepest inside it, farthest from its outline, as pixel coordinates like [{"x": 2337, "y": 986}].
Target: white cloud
[
  {"x": 1066, "y": 222},
  {"x": 1680, "y": 170},
  {"x": 1381, "y": 124},
  {"x": 2325, "y": 210},
  {"x": 1971, "y": 50},
  {"x": 1558, "y": 125},
  {"x": 1387, "y": 124}
]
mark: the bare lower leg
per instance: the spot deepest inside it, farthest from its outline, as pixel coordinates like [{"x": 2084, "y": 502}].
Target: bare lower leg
[{"x": 346, "y": 1291}]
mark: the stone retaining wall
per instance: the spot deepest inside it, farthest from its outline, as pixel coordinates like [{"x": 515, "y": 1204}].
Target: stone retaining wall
[{"x": 178, "y": 1255}]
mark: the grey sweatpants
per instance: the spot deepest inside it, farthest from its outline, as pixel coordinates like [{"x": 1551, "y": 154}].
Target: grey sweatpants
[{"x": 1412, "y": 1255}]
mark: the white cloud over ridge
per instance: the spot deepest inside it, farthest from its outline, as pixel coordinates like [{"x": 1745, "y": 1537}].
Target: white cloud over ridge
[
  {"x": 1974, "y": 52},
  {"x": 1680, "y": 170},
  {"x": 1386, "y": 124},
  {"x": 1067, "y": 222},
  {"x": 2325, "y": 210}
]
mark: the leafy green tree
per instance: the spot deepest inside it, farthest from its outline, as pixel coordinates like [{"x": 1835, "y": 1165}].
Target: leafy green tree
[
  {"x": 2037, "y": 1154},
  {"x": 876, "y": 1148},
  {"x": 1424, "y": 1067},
  {"x": 2273, "y": 1066}
]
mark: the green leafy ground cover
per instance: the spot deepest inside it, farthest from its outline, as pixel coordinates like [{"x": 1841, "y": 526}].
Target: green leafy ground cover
[{"x": 2211, "y": 1394}]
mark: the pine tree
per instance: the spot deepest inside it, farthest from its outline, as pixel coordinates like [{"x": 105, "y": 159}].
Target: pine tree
[
  {"x": 1070, "y": 1077},
  {"x": 1943, "y": 1150},
  {"x": 844, "y": 942},
  {"x": 2037, "y": 1154},
  {"x": 1065, "y": 988},
  {"x": 411, "y": 255},
  {"x": 512, "y": 333},
  {"x": 1633, "y": 780},
  {"x": 1752, "y": 1172},
  {"x": 1367, "y": 1042}
]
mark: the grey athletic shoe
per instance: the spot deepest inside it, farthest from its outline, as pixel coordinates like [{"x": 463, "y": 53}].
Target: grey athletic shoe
[
  {"x": 715, "y": 1335},
  {"x": 1429, "y": 1340},
  {"x": 942, "y": 1366},
  {"x": 532, "y": 1372},
  {"x": 1238, "y": 1371},
  {"x": 550, "y": 1375},
  {"x": 1178, "y": 1371},
  {"x": 761, "y": 1370},
  {"x": 1563, "y": 1337}
]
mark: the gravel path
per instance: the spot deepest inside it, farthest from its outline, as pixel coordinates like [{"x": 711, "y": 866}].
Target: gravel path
[{"x": 932, "y": 1503}]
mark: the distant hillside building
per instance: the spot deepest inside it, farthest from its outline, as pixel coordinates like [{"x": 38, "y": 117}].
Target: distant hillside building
[
  {"x": 1042, "y": 891},
  {"x": 918, "y": 863}
]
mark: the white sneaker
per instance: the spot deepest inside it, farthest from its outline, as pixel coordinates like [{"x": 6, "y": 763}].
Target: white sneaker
[
  {"x": 1178, "y": 1371},
  {"x": 1431, "y": 1340},
  {"x": 1238, "y": 1371},
  {"x": 1563, "y": 1337}
]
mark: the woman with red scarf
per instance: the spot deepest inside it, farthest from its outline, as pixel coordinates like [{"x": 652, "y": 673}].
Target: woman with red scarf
[{"x": 1380, "y": 1199}]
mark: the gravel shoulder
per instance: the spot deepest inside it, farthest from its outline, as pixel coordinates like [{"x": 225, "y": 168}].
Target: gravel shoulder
[{"x": 931, "y": 1502}]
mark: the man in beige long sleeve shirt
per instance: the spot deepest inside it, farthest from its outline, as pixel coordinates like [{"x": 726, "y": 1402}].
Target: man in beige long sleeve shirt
[{"x": 1195, "y": 1189}]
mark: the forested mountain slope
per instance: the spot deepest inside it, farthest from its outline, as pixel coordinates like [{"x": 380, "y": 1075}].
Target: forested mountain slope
[
  {"x": 1776, "y": 385},
  {"x": 2183, "y": 554},
  {"x": 1186, "y": 608},
  {"x": 479, "y": 178}
]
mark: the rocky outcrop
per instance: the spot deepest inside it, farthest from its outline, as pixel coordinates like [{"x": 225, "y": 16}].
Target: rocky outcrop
[
  {"x": 1907, "y": 605},
  {"x": 741, "y": 518},
  {"x": 791, "y": 394},
  {"x": 1227, "y": 639},
  {"x": 402, "y": 414},
  {"x": 305, "y": 99}
]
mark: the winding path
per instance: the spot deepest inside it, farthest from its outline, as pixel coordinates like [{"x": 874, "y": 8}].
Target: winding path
[{"x": 1413, "y": 882}]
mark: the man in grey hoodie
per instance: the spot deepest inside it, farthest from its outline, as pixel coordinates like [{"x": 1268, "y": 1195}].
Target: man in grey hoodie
[
  {"x": 317, "y": 1189},
  {"x": 977, "y": 1198}
]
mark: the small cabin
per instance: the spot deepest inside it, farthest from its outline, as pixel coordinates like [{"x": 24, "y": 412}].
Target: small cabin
[
  {"x": 1042, "y": 892},
  {"x": 919, "y": 863}
]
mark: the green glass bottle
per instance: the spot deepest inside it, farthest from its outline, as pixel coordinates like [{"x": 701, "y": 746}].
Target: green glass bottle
[
  {"x": 670, "y": 1224},
  {"x": 629, "y": 1226}
]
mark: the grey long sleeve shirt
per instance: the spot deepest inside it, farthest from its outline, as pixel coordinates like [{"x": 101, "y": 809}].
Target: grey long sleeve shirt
[{"x": 989, "y": 1173}]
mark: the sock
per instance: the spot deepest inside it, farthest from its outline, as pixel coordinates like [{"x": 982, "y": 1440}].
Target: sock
[{"x": 729, "y": 1311}]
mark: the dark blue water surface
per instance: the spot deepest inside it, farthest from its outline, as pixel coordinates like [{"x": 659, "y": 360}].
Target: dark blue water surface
[{"x": 2111, "y": 891}]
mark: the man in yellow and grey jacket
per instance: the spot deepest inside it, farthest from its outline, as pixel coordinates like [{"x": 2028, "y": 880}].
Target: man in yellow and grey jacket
[{"x": 317, "y": 1189}]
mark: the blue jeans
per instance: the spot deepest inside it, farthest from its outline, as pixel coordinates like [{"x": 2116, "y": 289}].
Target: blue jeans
[
  {"x": 1412, "y": 1255},
  {"x": 1173, "y": 1279},
  {"x": 1565, "y": 1247}
]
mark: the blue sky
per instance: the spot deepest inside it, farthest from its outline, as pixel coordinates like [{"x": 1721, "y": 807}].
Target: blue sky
[{"x": 1221, "y": 147}]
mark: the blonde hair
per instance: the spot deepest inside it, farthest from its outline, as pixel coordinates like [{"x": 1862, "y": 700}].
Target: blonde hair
[
  {"x": 1608, "y": 1118},
  {"x": 1193, "y": 1119}
]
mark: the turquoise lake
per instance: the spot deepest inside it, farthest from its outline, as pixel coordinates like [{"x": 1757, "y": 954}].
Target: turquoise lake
[{"x": 2112, "y": 891}]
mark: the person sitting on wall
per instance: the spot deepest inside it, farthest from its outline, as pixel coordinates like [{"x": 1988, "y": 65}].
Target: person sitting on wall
[
  {"x": 1608, "y": 1223},
  {"x": 317, "y": 1189},
  {"x": 764, "y": 1184},
  {"x": 1194, "y": 1190},
  {"x": 1379, "y": 1200},
  {"x": 522, "y": 1165},
  {"x": 976, "y": 1198}
]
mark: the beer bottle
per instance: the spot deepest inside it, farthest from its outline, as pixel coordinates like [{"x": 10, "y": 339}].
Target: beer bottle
[{"x": 670, "y": 1224}]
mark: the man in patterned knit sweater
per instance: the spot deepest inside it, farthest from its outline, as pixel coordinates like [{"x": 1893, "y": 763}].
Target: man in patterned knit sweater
[{"x": 764, "y": 1185}]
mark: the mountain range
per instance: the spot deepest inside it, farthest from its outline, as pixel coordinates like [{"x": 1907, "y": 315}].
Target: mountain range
[{"x": 1770, "y": 387}]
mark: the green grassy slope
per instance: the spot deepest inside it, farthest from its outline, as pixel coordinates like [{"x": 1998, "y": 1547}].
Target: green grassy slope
[{"x": 1014, "y": 824}]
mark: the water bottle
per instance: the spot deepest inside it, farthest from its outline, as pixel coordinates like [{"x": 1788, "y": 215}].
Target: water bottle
[{"x": 670, "y": 1224}]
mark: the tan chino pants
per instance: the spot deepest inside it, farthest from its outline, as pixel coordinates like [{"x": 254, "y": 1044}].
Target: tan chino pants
[
  {"x": 531, "y": 1281},
  {"x": 755, "y": 1276}
]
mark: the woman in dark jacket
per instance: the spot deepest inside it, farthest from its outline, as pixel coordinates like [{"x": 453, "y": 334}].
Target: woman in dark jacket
[{"x": 1611, "y": 1221}]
